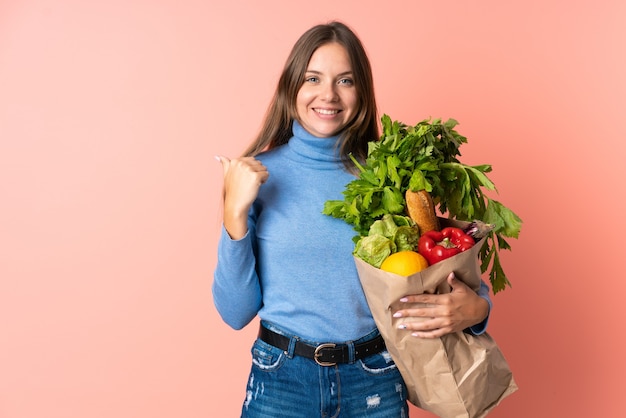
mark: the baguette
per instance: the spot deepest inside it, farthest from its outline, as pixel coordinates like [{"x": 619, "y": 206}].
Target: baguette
[{"x": 421, "y": 209}]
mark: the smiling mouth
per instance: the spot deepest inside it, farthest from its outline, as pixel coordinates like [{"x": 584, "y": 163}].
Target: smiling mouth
[{"x": 327, "y": 111}]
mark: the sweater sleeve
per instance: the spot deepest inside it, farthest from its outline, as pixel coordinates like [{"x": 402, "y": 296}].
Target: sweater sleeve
[
  {"x": 236, "y": 287},
  {"x": 481, "y": 327}
]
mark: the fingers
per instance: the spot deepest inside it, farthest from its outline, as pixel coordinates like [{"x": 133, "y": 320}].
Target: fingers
[
  {"x": 243, "y": 178},
  {"x": 423, "y": 320},
  {"x": 418, "y": 311},
  {"x": 244, "y": 167},
  {"x": 224, "y": 161},
  {"x": 438, "y": 299},
  {"x": 430, "y": 315},
  {"x": 452, "y": 280},
  {"x": 427, "y": 327},
  {"x": 455, "y": 283}
]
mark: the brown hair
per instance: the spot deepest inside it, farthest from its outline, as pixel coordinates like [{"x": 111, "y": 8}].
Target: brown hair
[{"x": 276, "y": 129}]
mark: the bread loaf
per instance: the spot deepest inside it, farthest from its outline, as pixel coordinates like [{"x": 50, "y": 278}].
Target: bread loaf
[{"x": 421, "y": 209}]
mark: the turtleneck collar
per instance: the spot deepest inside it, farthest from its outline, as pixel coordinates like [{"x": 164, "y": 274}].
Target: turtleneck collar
[{"x": 312, "y": 147}]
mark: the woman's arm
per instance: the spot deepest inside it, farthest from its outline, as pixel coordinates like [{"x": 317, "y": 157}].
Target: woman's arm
[{"x": 236, "y": 287}]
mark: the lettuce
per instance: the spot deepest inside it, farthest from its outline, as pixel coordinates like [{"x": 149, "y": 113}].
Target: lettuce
[{"x": 390, "y": 234}]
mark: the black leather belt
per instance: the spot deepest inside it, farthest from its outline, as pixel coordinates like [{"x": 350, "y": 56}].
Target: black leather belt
[{"x": 327, "y": 354}]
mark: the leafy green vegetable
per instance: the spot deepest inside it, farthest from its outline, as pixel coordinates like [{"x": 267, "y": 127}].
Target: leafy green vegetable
[
  {"x": 374, "y": 249},
  {"x": 390, "y": 234},
  {"x": 425, "y": 157}
]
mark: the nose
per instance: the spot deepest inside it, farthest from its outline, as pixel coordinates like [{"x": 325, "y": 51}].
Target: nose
[{"x": 330, "y": 92}]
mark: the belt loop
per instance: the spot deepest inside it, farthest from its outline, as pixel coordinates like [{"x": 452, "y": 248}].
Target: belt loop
[
  {"x": 292, "y": 346},
  {"x": 351, "y": 356}
]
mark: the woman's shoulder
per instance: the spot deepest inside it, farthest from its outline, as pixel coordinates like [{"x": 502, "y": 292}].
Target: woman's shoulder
[{"x": 271, "y": 155}]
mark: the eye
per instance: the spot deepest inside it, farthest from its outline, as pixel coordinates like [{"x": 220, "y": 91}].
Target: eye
[
  {"x": 312, "y": 79},
  {"x": 346, "y": 81}
]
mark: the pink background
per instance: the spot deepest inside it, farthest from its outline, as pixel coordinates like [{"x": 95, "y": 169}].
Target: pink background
[{"x": 111, "y": 113}]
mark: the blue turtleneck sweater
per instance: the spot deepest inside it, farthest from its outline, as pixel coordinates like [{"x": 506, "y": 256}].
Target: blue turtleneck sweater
[{"x": 294, "y": 267}]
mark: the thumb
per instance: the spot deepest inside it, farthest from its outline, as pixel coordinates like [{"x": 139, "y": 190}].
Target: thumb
[
  {"x": 453, "y": 281},
  {"x": 224, "y": 161}
]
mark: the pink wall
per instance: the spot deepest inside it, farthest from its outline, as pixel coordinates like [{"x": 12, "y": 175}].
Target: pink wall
[{"x": 111, "y": 113}]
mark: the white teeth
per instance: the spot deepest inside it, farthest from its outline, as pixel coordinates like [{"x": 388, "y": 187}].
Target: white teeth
[{"x": 327, "y": 111}]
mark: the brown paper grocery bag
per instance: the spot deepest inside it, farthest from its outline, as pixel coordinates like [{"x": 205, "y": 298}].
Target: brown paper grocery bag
[{"x": 456, "y": 376}]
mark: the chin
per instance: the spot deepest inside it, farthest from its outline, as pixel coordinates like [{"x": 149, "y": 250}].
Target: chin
[{"x": 330, "y": 131}]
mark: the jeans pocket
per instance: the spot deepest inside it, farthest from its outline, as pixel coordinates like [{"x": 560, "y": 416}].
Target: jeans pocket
[
  {"x": 266, "y": 357},
  {"x": 378, "y": 363}
]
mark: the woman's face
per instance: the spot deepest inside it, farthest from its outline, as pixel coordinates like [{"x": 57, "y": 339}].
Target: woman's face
[{"x": 327, "y": 100}]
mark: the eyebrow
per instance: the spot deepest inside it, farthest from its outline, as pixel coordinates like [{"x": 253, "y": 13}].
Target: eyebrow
[{"x": 340, "y": 74}]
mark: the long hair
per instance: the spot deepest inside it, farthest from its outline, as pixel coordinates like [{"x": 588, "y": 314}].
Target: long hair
[{"x": 276, "y": 129}]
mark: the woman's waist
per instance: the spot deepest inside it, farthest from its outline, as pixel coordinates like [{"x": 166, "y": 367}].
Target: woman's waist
[{"x": 321, "y": 327}]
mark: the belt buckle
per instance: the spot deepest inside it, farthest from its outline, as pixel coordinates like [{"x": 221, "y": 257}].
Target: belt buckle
[{"x": 317, "y": 354}]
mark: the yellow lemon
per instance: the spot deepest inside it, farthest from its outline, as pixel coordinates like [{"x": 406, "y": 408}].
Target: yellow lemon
[{"x": 404, "y": 263}]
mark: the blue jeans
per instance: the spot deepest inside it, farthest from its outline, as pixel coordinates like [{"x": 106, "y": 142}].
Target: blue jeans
[{"x": 282, "y": 385}]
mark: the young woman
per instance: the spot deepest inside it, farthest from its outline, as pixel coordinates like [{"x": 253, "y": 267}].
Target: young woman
[{"x": 319, "y": 353}]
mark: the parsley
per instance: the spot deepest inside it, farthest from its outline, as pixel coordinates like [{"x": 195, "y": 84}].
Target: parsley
[{"x": 425, "y": 156}]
